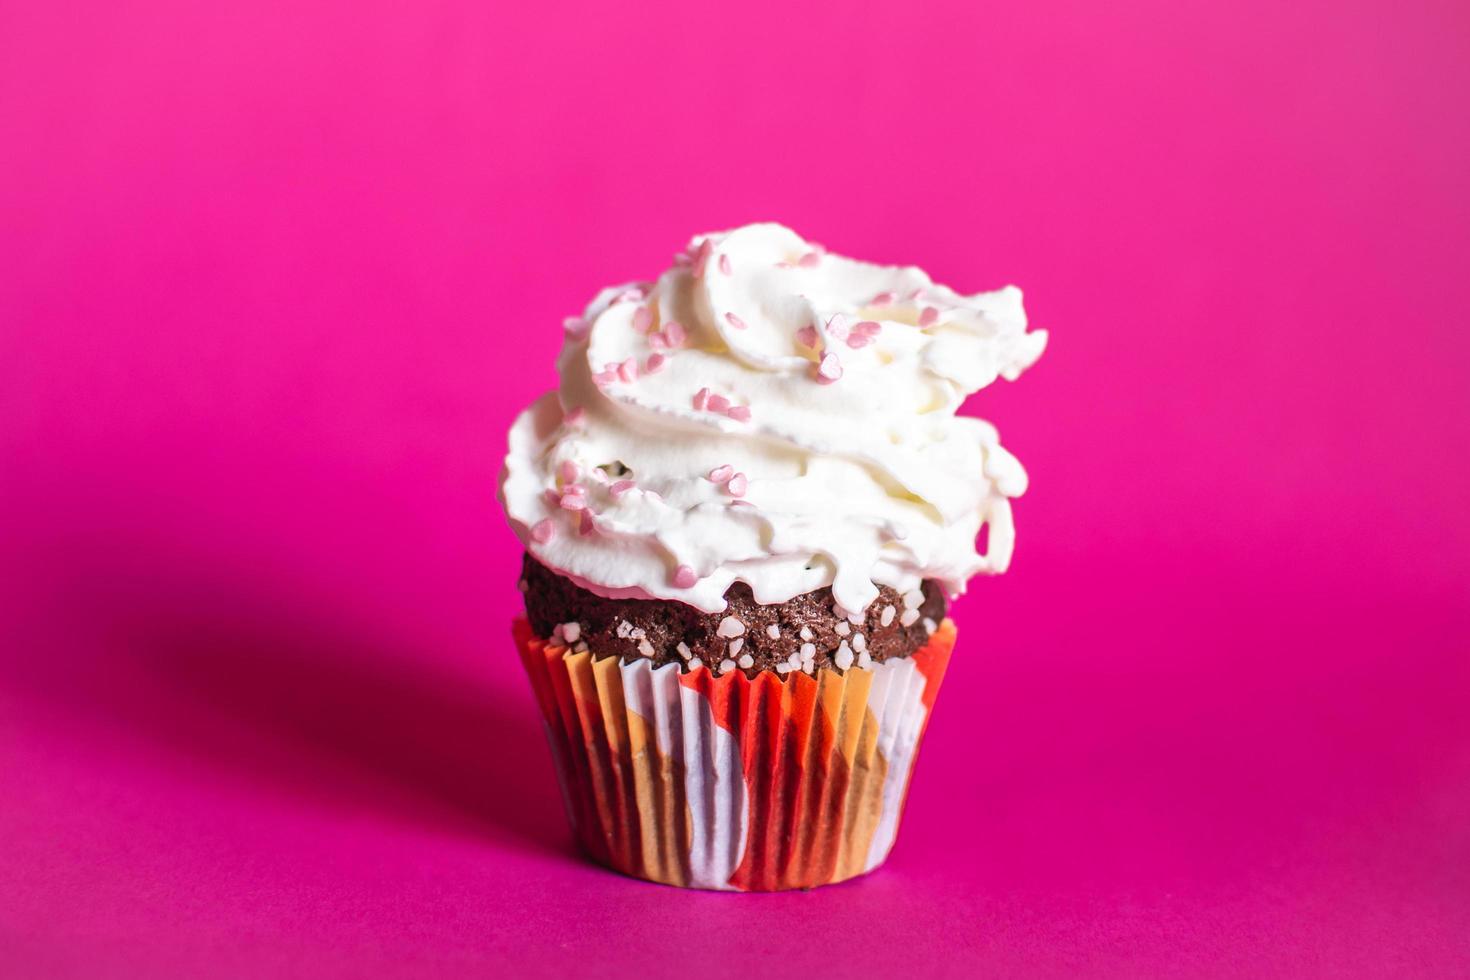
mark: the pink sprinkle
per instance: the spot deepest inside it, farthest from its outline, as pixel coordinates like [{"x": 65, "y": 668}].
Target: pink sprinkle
[
  {"x": 542, "y": 531},
  {"x": 929, "y": 317},
  {"x": 915, "y": 294},
  {"x": 588, "y": 525},
  {"x": 837, "y": 326},
  {"x": 621, "y": 487},
  {"x": 573, "y": 501},
  {"x": 701, "y": 257},
  {"x": 553, "y": 497},
  {"x": 642, "y": 319},
  {"x": 721, "y": 474},
  {"x": 604, "y": 378},
  {"x": 863, "y": 333},
  {"x": 576, "y": 326},
  {"x": 684, "y": 577},
  {"x": 737, "y": 485},
  {"x": 725, "y": 264},
  {"x": 576, "y": 416},
  {"x": 718, "y": 404},
  {"x": 629, "y": 296},
  {"x": 734, "y": 321},
  {"x": 883, "y": 299},
  {"x": 628, "y": 371},
  {"x": 701, "y": 399},
  {"x": 683, "y": 259},
  {"x": 656, "y": 341},
  {"x": 809, "y": 260},
  {"x": 740, "y": 413},
  {"x": 654, "y": 363},
  {"x": 576, "y": 489},
  {"x": 568, "y": 471},
  {"x": 674, "y": 333},
  {"x": 807, "y": 336},
  {"x": 829, "y": 370}
]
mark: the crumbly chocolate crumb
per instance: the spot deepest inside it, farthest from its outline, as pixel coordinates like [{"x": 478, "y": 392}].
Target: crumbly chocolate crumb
[{"x": 805, "y": 633}]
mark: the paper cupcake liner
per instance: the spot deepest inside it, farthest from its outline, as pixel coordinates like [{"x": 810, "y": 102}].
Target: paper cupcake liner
[{"x": 731, "y": 783}]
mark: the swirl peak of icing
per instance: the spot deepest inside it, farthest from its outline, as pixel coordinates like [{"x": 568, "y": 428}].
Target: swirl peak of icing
[{"x": 770, "y": 413}]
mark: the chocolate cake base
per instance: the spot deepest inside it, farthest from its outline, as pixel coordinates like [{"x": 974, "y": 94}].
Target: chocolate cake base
[{"x": 804, "y": 633}]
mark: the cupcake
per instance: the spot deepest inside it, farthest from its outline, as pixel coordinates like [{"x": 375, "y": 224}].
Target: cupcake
[{"x": 745, "y": 514}]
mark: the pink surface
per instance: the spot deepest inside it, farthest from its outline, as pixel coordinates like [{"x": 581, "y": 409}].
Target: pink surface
[{"x": 274, "y": 280}]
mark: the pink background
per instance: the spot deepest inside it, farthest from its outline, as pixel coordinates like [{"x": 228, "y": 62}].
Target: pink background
[{"x": 274, "y": 280}]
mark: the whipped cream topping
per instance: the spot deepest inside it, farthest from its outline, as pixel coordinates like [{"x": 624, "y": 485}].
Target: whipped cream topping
[{"x": 770, "y": 413}]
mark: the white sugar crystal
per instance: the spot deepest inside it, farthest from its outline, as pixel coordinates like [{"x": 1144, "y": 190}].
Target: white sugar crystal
[
  {"x": 843, "y": 629},
  {"x": 638, "y": 633},
  {"x": 695, "y": 662},
  {"x": 909, "y": 617},
  {"x": 746, "y": 661},
  {"x": 683, "y": 649},
  {"x": 730, "y": 626},
  {"x": 913, "y": 599},
  {"x": 794, "y": 660},
  {"x": 865, "y": 661},
  {"x": 930, "y": 625},
  {"x": 572, "y": 631},
  {"x": 773, "y": 631},
  {"x": 735, "y": 646},
  {"x": 783, "y": 668},
  {"x": 645, "y": 648},
  {"x": 843, "y": 657},
  {"x": 887, "y": 617},
  {"x": 807, "y": 666},
  {"x": 806, "y": 633},
  {"x": 808, "y": 650},
  {"x": 624, "y": 629},
  {"x": 859, "y": 642},
  {"x": 726, "y": 665}
]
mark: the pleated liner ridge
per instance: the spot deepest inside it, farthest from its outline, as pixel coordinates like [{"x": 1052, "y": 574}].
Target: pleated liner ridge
[{"x": 731, "y": 783}]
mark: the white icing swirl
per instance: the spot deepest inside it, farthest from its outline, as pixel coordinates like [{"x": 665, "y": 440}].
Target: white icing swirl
[{"x": 827, "y": 387}]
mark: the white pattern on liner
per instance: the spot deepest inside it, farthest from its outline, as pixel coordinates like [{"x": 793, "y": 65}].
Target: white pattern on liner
[{"x": 869, "y": 480}]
